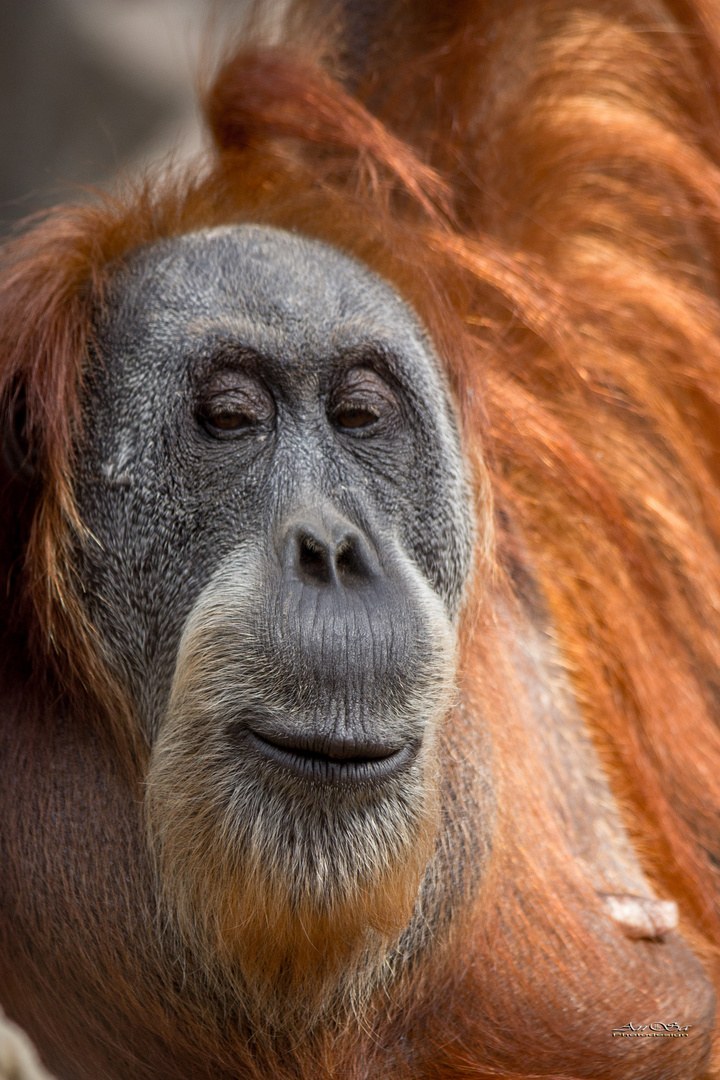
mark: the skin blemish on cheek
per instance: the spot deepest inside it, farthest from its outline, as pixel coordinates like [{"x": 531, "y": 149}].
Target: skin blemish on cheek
[{"x": 115, "y": 470}]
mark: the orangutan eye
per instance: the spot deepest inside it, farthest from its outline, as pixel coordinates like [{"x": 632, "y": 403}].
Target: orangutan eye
[
  {"x": 235, "y": 404},
  {"x": 354, "y": 417},
  {"x": 361, "y": 401},
  {"x": 228, "y": 418}
]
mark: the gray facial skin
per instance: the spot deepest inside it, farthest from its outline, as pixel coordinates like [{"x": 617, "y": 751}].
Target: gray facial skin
[
  {"x": 292, "y": 336},
  {"x": 271, "y": 477}
]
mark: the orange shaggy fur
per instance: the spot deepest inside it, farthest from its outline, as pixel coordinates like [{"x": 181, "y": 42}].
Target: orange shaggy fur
[{"x": 541, "y": 181}]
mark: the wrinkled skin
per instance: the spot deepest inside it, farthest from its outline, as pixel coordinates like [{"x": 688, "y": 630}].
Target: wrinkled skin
[{"x": 292, "y": 335}]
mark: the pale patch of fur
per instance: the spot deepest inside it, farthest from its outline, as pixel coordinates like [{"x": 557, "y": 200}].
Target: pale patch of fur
[{"x": 290, "y": 893}]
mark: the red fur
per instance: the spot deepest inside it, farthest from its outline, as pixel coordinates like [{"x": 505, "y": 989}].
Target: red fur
[{"x": 540, "y": 180}]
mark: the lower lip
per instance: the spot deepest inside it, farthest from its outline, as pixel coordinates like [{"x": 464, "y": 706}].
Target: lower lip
[{"x": 321, "y": 768}]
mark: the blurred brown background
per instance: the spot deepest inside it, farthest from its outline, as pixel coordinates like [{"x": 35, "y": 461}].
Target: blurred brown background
[{"x": 91, "y": 86}]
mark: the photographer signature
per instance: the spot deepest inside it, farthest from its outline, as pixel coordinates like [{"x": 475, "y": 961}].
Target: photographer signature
[{"x": 658, "y": 1029}]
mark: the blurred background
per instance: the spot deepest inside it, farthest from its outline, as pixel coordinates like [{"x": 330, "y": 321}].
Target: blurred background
[{"x": 88, "y": 87}]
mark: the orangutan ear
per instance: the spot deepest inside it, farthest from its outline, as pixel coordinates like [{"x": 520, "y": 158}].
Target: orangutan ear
[{"x": 19, "y": 455}]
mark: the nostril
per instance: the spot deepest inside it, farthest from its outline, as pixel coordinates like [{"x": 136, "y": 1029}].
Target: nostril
[
  {"x": 314, "y": 559},
  {"x": 350, "y": 563}
]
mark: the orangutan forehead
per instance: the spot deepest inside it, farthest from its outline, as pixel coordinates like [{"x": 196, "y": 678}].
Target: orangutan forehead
[
  {"x": 247, "y": 291},
  {"x": 265, "y": 276}
]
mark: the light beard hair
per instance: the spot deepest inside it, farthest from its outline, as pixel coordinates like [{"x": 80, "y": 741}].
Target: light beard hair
[{"x": 290, "y": 893}]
